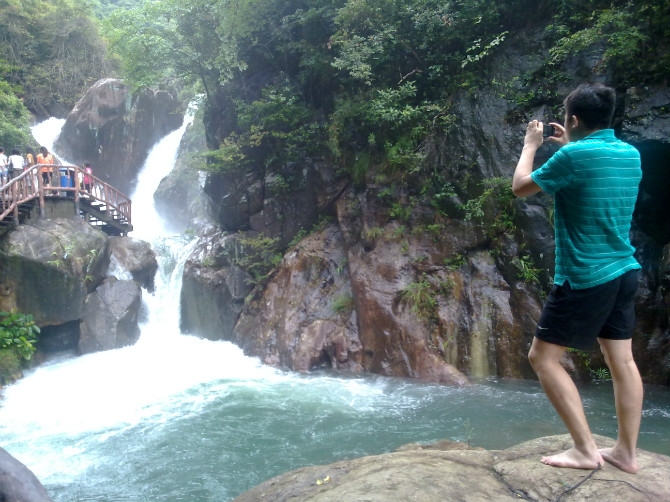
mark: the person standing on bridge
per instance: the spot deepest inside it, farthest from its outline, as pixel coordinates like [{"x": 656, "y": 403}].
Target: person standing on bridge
[
  {"x": 30, "y": 162},
  {"x": 15, "y": 164},
  {"x": 3, "y": 167},
  {"x": 88, "y": 177},
  {"x": 45, "y": 159},
  {"x": 30, "y": 158}
]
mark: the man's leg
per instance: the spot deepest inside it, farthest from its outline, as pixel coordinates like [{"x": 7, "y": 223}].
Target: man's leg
[
  {"x": 545, "y": 359},
  {"x": 628, "y": 394}
]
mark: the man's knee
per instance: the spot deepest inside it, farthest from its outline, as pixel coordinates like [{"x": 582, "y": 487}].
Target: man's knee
[
  {"x": 535, "y": 358},
  {"x": 617, "y": 353}
]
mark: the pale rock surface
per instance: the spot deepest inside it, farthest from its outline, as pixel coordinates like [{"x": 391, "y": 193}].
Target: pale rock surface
[
  {"x": 470, "y": 475},
  {"x": 18, "y": 483}
]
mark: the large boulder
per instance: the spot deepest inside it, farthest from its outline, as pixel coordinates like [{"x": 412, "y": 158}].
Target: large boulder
[
  {"x": 49, "y": 266},
  {"x": 214, "y": 287},
  {"x": 137, "y": 258},
  {"x": 18, "y": 483},
  {"x": 110, "y": 319},
  {"x": 114, "y": 128},
  {"x": 428, "y": 301},
  {"x": 279, "y": 205},
  {"x": 447, "y": 472}
]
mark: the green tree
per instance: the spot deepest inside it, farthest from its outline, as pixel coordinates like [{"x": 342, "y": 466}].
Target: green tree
[
  {"x": 634, "y": 36},
  {"x": 372, "y": 79},
  {"x": 14, "y": 120},
  {"x": 104, "y": 8},
  {"x": 53, "y": 52}
]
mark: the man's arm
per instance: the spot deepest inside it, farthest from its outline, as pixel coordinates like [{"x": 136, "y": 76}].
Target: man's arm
[{"x": 522, "y": 184}]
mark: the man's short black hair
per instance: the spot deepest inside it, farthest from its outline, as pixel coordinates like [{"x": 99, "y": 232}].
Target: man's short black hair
[{"x": 593, "y": 104}]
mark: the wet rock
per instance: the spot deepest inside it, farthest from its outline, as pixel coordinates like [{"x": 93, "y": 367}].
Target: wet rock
[
  {"x": 213, "y": 287},
  {"x": 137, "y": 257},
  {"x": 434, "y": 475},
  {"x": 110, "y": 319},
  {"x": 49, "y": 266},
  {"x": 18, "y": 483},
  {"x": 235, "y": 199},
  {"x": 664, "y": 277},
  {"x": 114, "y": 128},
  {"x": 305, "y": 317},
  {"x": 58, "y": 338},
  {"x": 279, "y": 204},
  {"x": 10, "y": 367}
]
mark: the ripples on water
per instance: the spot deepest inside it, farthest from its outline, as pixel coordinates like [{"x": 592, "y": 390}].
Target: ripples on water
[{"x": 197, "y": 432}]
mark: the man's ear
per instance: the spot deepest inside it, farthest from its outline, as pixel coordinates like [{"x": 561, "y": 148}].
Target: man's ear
[{"x": 574, "y": 121}]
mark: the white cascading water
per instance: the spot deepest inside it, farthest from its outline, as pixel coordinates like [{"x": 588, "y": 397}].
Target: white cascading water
[
  {"x": 106, "y": 392},
  {"x": 175, "y": 417}
]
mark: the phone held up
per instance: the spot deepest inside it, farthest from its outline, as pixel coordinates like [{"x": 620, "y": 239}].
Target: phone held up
[{"x": 548, "y": 130}]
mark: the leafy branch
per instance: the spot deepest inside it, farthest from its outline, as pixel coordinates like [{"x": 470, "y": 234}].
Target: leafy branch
[{"x": 18, "y": 332}]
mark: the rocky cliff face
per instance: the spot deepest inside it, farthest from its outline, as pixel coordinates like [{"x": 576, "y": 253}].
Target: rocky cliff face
[
  {"x": 115, "y": 128},
  {"x": 395, "y": 287},
  {"x": 49, "y": 267}
]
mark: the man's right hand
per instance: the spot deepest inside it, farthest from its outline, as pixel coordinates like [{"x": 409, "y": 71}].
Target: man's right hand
[{"x": 559, "y": 137}]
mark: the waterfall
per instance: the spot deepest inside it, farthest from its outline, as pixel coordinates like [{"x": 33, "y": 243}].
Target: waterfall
[
  {"x": 46, "y": 133},
  {"x": 108, "y": 392},
  {"x": 175, "y": 417},
  {"x": 147, "y": 223}
]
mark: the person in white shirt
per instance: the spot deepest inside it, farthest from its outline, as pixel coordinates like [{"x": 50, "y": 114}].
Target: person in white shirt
[
  {"x": 3, "y": 166},
  {"x": 15, "y": 164}
]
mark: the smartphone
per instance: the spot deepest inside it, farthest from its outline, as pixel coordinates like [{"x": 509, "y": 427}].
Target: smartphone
[{"x": 548, "y": 130}]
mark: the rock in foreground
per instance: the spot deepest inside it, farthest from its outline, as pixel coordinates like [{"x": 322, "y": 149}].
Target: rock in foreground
[
  {"x": 18, "y": 483},
  {"x": 434, "y": 475}
]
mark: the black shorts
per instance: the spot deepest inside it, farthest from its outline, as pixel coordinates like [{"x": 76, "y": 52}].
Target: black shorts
[{"x": 576, "y": 317}]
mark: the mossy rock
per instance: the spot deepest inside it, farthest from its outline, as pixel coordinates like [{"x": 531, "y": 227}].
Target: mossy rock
[{"x": 10, "y": 367}]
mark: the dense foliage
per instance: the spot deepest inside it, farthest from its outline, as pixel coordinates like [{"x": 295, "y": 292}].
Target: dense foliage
[
  {"x": 104, "y": 8},
  {"x": 364, "y": 82},
  {"x": 14, "y": 119},
  {"x": 50, "y": 53}
]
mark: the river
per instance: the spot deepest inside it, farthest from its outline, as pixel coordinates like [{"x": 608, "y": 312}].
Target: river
[{"x": 177, "y": 418}]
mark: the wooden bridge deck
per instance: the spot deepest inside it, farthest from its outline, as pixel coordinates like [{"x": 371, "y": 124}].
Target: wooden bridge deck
[{"x": 99, "y": 203}]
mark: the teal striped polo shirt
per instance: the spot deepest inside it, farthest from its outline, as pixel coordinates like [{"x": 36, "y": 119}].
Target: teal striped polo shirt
[{"x": 594, "y": 182}]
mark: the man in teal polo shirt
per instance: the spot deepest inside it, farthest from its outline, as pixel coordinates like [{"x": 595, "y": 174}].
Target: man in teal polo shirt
[{"x": 594, "y": 180}]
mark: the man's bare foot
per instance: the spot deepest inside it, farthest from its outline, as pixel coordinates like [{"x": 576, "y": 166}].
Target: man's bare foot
[
  {"x": 624, "y": 462},
  {"x": 574, "y": 459}
]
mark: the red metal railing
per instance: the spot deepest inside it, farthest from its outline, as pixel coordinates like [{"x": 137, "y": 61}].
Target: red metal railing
[{"x": 65, "y": 181}]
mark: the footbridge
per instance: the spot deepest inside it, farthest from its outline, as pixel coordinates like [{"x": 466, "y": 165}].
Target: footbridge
[{"x": 100, "y": 204}]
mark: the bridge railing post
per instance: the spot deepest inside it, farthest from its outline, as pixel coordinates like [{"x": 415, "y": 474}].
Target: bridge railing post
[
  {"x": 41, "y": 189},
  {"x": 15, "y": 195}
]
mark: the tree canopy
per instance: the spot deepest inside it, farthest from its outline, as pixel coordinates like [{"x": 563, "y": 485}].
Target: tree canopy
[
  {"x": 364, "y": 80},
  {"x": 51, "y": 52}
]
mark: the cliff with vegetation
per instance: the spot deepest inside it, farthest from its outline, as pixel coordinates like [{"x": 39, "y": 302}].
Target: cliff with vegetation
[
  {"x": 360, "y": 156},
  {"x": 357, "y": 165}
]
